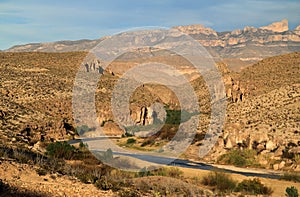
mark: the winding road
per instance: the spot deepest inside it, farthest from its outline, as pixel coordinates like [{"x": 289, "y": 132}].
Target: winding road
[{"x": 161, "y": 160}]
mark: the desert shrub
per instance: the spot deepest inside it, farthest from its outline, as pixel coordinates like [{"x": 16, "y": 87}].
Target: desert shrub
[
  {"x": 61, "y": 150},
  {"x": 165, "y": 171},
  {"x": 113, "y": 183},
  {"x": 239, "y": 158},
  {"x": 297, "y": 158},
  {"x": 166, "y": 186},
  {"x": 41, "y": 171},
  {"x": 91, "y": 161},
  {"x": 131, "y": 141},
  {"x": 104, "y": 184},
  {"x": 169, "y": 172},
  {"x": 87, "y": 173},
  {"x": 220, "y": 180},
  {"x": 128, "y": 193},
  {"x": 144, "y": 172},
  {"x": 83, "y": 146},
  {"x": 291, "y": 176},
  {"x": 291, "y": 192},
  {"x": 3, "y": 186},
  {"x": 149, "y": 141},
  {"x": 253, "y": 187},
  {"x": 127, "y": 134},
  {"x": 87, "y": 178},
  {"x": 4, "y": 152},
  {"x": 21, "y": 156},
  {"x": 82, "y": 129}
]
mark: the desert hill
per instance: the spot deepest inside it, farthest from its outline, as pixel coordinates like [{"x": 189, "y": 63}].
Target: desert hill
[
  {"x": 268, "y": 118},
  {"x": 36, "y": 94}
]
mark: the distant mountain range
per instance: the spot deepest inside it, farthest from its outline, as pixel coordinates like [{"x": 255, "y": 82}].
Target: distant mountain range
[{"x": 240, "y": 46}]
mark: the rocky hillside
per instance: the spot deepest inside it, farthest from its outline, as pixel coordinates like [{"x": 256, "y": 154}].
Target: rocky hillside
[
  {"x": 268, "y": 119},
  {"x": 35, "y": 92}
]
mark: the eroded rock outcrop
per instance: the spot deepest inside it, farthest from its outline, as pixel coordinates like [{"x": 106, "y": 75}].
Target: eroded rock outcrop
[
  {"x": 235, "y": 92},
  {"x": 196, "y": 29},
  {"x": 281, "y": 26}
]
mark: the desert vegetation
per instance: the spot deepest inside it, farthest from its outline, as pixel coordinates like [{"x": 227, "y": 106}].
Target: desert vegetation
[{"x": 240, "y": 158}]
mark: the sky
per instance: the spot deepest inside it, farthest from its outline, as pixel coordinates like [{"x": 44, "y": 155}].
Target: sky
[{"x": 31, "y": 21}]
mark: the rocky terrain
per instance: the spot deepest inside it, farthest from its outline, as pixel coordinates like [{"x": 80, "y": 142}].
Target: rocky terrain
[
  {"x": 36, "y": 95},
  {"x": 267, "y": 120},
  {"x": 36, "y": 91},
  {"x": 25, "y": 181},
  {"x": 262, "y": 111}
]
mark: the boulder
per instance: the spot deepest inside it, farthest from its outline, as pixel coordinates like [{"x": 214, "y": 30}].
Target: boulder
[
  {"x": 270, "y": 145},
  {"x": 281, "y": 165},
  {"x": 260, "y": 147},
  {"x": 228, "y": 144},
  {"x": 279, "y": 151}
]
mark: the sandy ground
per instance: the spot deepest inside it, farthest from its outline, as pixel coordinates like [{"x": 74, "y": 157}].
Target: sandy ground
[{"x": 25, "y": 177}]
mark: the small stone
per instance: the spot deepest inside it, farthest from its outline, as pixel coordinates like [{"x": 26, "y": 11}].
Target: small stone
[
  {"x": 281, "y": 165},
  {"x": 270, "y": 145},
  {"x": 275, "y": 166}
]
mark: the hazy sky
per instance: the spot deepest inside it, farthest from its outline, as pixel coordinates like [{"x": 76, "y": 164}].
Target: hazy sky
[{"x": 26, "y": 21}]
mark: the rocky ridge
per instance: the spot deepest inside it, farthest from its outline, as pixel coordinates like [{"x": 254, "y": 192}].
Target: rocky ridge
[{"x": 249, "y": 44}]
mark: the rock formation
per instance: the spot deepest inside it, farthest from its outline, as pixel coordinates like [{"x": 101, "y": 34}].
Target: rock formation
[
  {"x": 196, "y": 29},
  {"x": 281, "y": 26}
]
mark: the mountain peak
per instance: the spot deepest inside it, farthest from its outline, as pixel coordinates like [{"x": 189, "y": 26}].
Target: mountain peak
[
  {"x": 195, "y": 29},
  {"x": 280, "y": 26}
]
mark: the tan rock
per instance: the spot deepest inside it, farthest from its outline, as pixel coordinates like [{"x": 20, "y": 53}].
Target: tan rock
[
  {"x": 260, "y": 147},
  {"x": 279, "y": 151},
  {"x": 270, "y": 145},
  {"x": 297, "y": 30},
  {"x": 112, "y": 129},
  {"x": 281, "y": 26},
  {"x": 295, "y": 150},
  {"x": 196, "y": 29},
  {"x": 228, "y": 144},
  {"x": 276, "y": 166},
  {"x": 281, "y": 165}
]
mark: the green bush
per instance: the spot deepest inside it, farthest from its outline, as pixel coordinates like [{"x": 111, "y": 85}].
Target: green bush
[
  {"x": 169, "y": 172},
  {"x": 82, "y": 129},
  {"x": 253, "y": 187},
  {"x": 291, "y": 176},
  {"x": 220, "y": 180},
  {"x": 61, "y": 150},
  {"x": 131, "y": 141},
  {"x": 128, "y": 193},
  {"x": 238, "y": 158},
  {"x": 165, "y": 171},
  {"x": 291, "y": 192}
]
